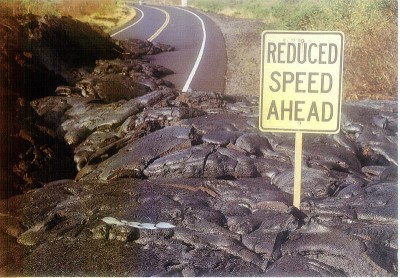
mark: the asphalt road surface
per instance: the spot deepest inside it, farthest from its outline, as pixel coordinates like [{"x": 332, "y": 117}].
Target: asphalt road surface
[{"x": 199, "y": 59}]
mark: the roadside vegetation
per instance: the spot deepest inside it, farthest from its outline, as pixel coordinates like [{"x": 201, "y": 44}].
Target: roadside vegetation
[
  {"x": 159, "y": 2},
  {"x": 107, "y": 14},
  {"x": 370, "y": 28}
]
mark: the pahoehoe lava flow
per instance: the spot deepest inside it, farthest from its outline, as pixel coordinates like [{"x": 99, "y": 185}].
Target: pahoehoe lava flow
[{"x": 173, "y": 183}]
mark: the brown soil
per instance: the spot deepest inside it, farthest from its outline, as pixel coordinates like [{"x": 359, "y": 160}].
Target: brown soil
[{"x": 242, "y": 39}]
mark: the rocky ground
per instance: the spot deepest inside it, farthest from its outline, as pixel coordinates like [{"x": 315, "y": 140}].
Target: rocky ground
[
  {"x": 37, "y": 54},
  {"x": 184, "y": 184}
]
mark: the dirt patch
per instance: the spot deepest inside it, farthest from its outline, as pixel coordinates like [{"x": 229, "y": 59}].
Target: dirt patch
[{"x": 242, "y": 39}]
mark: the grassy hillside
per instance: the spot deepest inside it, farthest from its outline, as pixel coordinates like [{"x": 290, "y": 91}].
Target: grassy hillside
[
  {"x": 107, "y": 14},
  {"x": 370, "y": 27}
]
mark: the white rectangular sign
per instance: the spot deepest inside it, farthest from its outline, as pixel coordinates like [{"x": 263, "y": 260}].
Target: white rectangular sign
[{"x": 301, "y": 81}]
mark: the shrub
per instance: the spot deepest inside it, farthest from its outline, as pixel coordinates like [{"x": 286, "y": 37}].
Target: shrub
[
  {"x": 74, "y": 8},
  {"x": 78, "y": 8}
]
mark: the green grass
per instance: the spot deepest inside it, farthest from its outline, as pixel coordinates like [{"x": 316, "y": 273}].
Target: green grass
[{"x": 370, "y": 28}]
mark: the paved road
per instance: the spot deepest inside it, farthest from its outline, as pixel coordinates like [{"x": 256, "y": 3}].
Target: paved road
[{"x": 199, "y": 59}]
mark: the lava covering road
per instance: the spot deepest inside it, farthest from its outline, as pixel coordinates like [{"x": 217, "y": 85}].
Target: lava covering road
[{"x": 173, "y": 183}]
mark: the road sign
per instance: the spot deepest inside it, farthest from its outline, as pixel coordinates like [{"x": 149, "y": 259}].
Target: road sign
[
  {"x": 301, "y": 81},
  {"x": 301, "y": 87}
]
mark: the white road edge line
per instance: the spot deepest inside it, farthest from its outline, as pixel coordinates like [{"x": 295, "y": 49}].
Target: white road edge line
[
  {"x": 200, "y": 56},
  {"x": 141, "y": 17}
]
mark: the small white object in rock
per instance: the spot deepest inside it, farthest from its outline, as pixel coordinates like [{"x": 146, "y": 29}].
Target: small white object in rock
[
  {"x": 164, "y": 225},
  {"x": 112, "y": 221},
  {"x": 131, "y": 224},
  {"x": 148, "y": 226}
]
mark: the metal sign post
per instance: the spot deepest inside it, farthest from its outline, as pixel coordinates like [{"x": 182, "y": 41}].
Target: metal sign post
[{"x": 301, "y": 87}]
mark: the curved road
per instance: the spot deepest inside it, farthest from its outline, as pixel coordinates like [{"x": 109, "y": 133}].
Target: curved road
[{"x": 199, "y": 59}]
